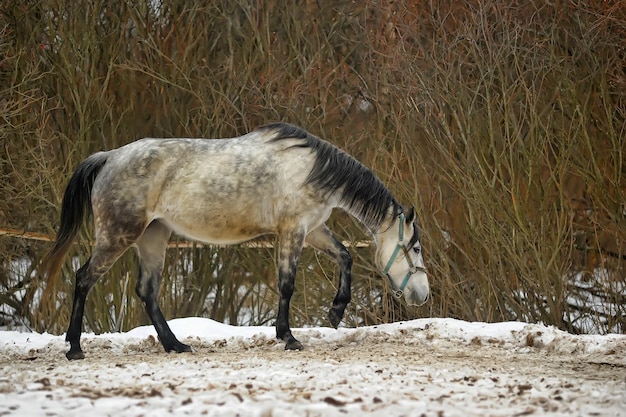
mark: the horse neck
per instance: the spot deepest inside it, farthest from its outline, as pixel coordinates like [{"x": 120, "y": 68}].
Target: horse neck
[
  {"x": 388, "y": 227},
  {"x": 383, "y": 227},
  {"x": 385, "y": 237}
]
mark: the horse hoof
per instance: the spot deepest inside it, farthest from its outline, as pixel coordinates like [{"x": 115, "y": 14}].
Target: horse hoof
[
  {"x": 73, "y": 355},
  {"x": 334, "y": 318},
  {"x": 179, "y": 348},
  {"x": 291, "y": 343},
  {"x": 294, "y": 345},
  {"x": 185, "y": 348}
]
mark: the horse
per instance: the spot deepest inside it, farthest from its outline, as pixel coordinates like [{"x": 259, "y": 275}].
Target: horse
[{"x": 278, "y": 179}]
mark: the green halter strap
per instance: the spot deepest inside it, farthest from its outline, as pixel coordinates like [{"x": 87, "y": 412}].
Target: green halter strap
[{"x": 401, "y": 246}]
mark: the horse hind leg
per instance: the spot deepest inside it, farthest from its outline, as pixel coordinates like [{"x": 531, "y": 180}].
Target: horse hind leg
[
  {"x": 83, "y": 285},
  {"x": 98, "y": 264},
  {"x": 151, "y": 248}
]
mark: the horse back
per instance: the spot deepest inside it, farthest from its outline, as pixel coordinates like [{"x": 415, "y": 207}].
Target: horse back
[{"x": 218, "y": 190}]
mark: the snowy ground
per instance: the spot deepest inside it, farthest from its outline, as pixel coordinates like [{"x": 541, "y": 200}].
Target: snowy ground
[{"x": 431, "y": 367}]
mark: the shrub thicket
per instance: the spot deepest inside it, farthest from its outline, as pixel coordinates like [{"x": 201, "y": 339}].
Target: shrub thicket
[{"x": 503, "y": 123}]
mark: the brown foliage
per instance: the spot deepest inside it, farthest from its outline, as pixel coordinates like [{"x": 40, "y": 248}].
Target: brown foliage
[{"x": 503, "y": 123}]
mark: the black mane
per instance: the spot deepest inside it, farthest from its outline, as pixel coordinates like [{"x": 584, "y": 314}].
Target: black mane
[{"x": 362, "y": 192}]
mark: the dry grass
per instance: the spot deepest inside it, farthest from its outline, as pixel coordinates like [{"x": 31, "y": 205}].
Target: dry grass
[{"x": 503, "y": 124}]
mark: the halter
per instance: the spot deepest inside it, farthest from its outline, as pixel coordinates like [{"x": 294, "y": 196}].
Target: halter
[{"x": 412, "y": 267}]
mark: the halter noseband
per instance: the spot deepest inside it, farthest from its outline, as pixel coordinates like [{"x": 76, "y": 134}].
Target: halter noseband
[{"x": 412, "y": 267}]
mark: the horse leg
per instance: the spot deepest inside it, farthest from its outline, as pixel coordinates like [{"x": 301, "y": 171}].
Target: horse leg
[
  {"x": 290, "y": 248},
  {"x": 322, "y": 239},
  {"x": 81, "y": 289},
  {"x": 151, "y": 248},
  {"x": 86, "y": 277}
]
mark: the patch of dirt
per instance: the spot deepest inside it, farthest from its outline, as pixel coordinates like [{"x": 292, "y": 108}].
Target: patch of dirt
[{"x": 364, "y": 373}]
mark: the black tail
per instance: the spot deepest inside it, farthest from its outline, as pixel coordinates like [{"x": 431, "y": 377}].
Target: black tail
[{"x": 76, "y": 207}]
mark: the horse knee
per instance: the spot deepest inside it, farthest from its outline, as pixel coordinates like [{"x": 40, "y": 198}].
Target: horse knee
[
  {"x": 141, "y": 292},
  {"x": 345, "y": 259},
  {"x": 345, "y": 272},
  {"x": 286, "y": 288},
  {"x": 145, "y": 287},
  {"x": 85, "y": 280}
]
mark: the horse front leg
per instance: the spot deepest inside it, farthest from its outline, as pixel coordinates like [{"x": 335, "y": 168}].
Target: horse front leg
[
  {"x": 151, "y": 249},
  {"x": 323, "y": 240},
  {"x": 290, "y": 249},
  {"x": 147, "y": 289}
]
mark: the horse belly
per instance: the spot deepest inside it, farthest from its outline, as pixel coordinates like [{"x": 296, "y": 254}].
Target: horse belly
[
  {"x": 215, "y": 235},
  {"x": 236, "y": 221},
  {"x": 217, "y": 223}
]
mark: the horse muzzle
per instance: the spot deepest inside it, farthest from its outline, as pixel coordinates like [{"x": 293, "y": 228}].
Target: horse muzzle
[{"x": 417, "y": 290}]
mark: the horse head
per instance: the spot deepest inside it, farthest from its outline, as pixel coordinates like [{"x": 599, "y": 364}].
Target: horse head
[{"x": 399, "y": 256}]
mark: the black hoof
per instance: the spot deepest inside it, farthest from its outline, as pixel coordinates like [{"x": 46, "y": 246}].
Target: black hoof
[
  {"x": 291, "y": 343},
  {"x": 294, "y": 345},
  {"x": 334, "y": 317},
  {"x": 179, "y": 348},
  {"x": 75, "y": 354}
]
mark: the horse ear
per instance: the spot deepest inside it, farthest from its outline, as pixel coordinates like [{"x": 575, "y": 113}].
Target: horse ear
[{"x": 410, "y": 216}]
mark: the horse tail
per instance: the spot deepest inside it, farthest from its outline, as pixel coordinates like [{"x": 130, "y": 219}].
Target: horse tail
[{"x": 75, "y": 208}]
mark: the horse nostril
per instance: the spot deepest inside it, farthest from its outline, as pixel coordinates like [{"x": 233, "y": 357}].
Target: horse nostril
[{"x": 417, "y": 298}]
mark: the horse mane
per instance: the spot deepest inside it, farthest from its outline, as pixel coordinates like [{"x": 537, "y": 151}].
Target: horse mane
[{"x": 362, "y": 192}]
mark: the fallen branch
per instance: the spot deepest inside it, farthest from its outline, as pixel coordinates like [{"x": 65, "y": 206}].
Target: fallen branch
[
  {"x": 25, "y": 235},
  {"x": 182, "y": 244}
]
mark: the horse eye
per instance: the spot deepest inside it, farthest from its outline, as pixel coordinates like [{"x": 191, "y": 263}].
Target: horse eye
[{"x": 417, "y": 249}]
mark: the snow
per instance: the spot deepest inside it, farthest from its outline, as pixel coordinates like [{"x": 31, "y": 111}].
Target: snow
[{"x": 425, "y": 367}]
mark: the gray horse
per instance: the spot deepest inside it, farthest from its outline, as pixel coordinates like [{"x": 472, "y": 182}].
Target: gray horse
[{"x": 278, "y": 179}]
